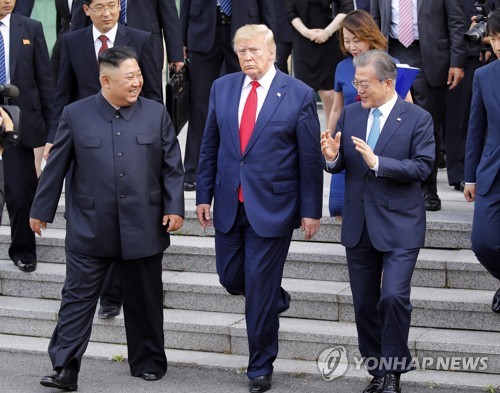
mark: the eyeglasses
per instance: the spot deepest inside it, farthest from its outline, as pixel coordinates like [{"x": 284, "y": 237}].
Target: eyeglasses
[
  {"x": 361, "y": 85},
  {"x": 100, "y": 9}
]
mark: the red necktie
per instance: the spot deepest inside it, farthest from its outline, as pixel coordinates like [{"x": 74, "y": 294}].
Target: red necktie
[
  {"x": 248, "y": 122},
  {"x": 104, "y": 45}
]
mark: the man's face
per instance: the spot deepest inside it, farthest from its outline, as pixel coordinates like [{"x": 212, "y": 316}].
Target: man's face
[
  {"x": 371, "y": 90},
  {"x": 122, "y": 85},
  {"x": 254, "y": 56},
  {"x": 6, "y": 7},
  {"x": 495, "y": 43},
  {"x": 103, "y": 13}
]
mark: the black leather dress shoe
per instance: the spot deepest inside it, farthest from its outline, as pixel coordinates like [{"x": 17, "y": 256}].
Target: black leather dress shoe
[
  {"x": 432, "y": 202},
  {"x": 375, "y": 385},
  {"x": 108, "y": 312},
  {"x": 61, "y": 379},
  {"x": 26, "y": 266},
  {"x": 260, "y": 384},
  {"x": 392, "y": 384},
  {"x": 495, "y": 305},
  {"x": 190, "y": 186},
  {"x": 152, "y": 376}
]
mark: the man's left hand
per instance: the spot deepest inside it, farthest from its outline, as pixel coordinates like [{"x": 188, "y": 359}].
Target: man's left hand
[
  {"x": 365, "y": 150},
  {"x": 176, "y": 65},
  {"x": 173, "y": 221},
  {"x": 455, "y": 75},
  {"x": 310, "y": 227}
]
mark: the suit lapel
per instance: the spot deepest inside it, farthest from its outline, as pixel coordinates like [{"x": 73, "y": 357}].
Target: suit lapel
[
  {"x": 275, "y": 95},
  {"x": 16, "y": 42},
  {"x": 394, "y": 121},
  {"x": 233, "y": 101},
  {"x": 88, "y": 50},
  {"x": 122, "y": 36}
]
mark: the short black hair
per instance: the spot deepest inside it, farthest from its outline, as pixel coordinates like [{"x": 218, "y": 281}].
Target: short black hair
[
  {"x": 494, "y": 22},
  {"x": 116, "y": 55}
]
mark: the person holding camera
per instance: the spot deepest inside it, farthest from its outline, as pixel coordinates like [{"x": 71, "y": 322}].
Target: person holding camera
[{"x": 482, "y": 161}]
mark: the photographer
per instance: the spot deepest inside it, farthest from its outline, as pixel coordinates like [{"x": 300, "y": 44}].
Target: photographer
[
  {"x": 482, "y": 160},
  {"x": 6, "y": 125}
]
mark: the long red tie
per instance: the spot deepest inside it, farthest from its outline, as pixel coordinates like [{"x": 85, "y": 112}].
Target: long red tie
[
  {"x": 104, "y": 44},
  {"x": 248, "y": 122}
]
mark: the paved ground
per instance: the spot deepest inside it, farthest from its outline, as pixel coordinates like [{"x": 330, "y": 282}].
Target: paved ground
[{"x": 20, "y": 373}]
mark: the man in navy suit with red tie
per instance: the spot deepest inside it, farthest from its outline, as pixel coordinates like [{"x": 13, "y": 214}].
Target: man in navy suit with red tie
[
  {"x": 384, "y": 212},
  {"x": 261, "y": 164}
]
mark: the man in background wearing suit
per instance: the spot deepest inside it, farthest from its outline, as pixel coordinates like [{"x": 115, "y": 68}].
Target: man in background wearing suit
[
  {"x": 261, "y": 164},
  {"x": 208, "y": 29},
  {"x": 159, "y": 17},
  {"x": 24, "y": 7},
  {"x": 79, "y": 78},
  {"x": 384, "y": 214},
  {"x": 25, "y": 64},
  {"x": 125, "y": 197},
  {"x": 63, "y": 23},
  {"x": 428, "y": 35},
  {"x": 482, "y": 161}
]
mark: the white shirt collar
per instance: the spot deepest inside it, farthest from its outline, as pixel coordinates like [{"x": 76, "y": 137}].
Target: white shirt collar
[
  {"x": 6, "y": 20},
  {"x": 387, "y": 107},
  {"x": 111, "y": 34},
  {"x": 265, "y": 81}
]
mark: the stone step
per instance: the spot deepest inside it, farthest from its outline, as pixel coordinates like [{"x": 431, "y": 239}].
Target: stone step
[
  {"x": 312, "y": 299},
  {"x": 456, "y": 380},
  {"x": 309, "y": 260},
  {"x": 301, "y": 339}
]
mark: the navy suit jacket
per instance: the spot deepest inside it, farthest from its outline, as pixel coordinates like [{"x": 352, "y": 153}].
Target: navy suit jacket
[
  {"x": 391, "y": 204},
  {"x": 482, "y": 153},
  {"x": 441, "y": 31},
  {"x": 159, "y": 17},
  {"x": 198, "y": 20},
  {"x": 30, "y": 71},
  {"x": 281, "y": 167},
  {"x": 24, "y": 7},
  {"x": 127, "y": 175},
  {"x": 79, "y": 72}
]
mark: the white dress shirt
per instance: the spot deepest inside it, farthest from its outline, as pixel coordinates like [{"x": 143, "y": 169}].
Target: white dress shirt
[{"x": 111, "y": 34}]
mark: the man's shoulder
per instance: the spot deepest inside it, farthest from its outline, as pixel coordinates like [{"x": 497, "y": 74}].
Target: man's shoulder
[
  {"x": 487, "y": 69},
  {"x": 86, "y": 102},
  {"x": 134, "y": 33},
  {"x": 17, "y": 19}
]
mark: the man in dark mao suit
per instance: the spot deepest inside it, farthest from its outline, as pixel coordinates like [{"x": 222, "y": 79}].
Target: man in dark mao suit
[
  {"x": 207, "y": 33},
  {"x": 439, "y": 50},
  {"x": 27, "y": 67},
  {"x": 383, "y": 225},
  {"x": 125, "y": 196},
  {"x": 261, "y": 191}
]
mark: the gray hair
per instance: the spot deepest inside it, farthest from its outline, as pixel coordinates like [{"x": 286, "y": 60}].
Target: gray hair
[
  {"x": 384, "y": 65},
  {"x": 253, "y": 31}
]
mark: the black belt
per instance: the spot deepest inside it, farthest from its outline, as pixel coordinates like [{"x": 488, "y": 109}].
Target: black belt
[
  {"x": 395, "y": 41},
  {"x": 222, "y": 18}
]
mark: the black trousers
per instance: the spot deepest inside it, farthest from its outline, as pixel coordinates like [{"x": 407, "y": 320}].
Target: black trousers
[{"x": 142, "y": 307}]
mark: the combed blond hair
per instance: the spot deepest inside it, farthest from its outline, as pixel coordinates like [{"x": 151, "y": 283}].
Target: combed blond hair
[{"x": 248, "y": 32}]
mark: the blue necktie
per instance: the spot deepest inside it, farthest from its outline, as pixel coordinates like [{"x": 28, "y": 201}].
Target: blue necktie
[
  {"x": 3, "y": 72},
  {"x": 123, "y": 11},
  {"x": 375, "y": 130},
  {"x": 226, "y": 6}
]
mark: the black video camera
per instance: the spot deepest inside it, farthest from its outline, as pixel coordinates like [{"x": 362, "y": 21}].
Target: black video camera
[
  {"x": 475, "y": 35},
  {"x": 8, "y": 138}
]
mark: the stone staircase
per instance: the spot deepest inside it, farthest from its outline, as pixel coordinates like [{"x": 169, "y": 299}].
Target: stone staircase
[{"x": 451, "y": 296}]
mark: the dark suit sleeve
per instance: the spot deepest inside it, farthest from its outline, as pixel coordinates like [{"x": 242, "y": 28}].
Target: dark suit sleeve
[
  {"x": 310, "y": 159},
  {"x": 268, "y": 14},
  {"x": 152, "y": 74},
  {"x": 172, "y": 172},
  {"x": 171, "y": 27},
  {"x": 50, "y": 184},
  {"x": 456, "y": 29},
  {"x": 65, "y": 90},
  {"x": 24, "y": 7},
  {"x": 184, "y": 18},
  {"x": 375, "y": 12},
  {"x": 78, "y": 18},
  {"x": 291, "y": 10}
]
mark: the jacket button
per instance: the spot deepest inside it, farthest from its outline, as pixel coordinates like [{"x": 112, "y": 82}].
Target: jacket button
[
  {"x": 242, "y": 163},
  {"x": 119, "y": 154},
  {"x": 365, "y": 180},
  {"x": 120, "y": 175},
  {"x": 122, "y": 196},
  {"x": 118, "y": 133}
]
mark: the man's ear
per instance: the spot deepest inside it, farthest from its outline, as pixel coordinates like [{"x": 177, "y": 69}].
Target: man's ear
[{"x": 104, "y": 79}]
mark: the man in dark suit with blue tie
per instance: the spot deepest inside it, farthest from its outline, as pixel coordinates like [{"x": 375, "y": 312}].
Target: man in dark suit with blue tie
[
  {"x": 384, "y": 214},
  {"x": 482, "y": 160},
  {"x": 261, "y": 165},
  {"x": 26, "y": 65},
  {"x": 79, "y": 78},
  {"x": 208, "y": 27},
  {"x": 125, "y": 197}
]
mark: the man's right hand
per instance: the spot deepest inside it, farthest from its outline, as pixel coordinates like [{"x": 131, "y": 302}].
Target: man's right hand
[
  {"x": 203, "y": 214},
  {"x": 46, "y": 150},
  {"x": 330, "y": 146},
  {"x": 37, "y": 225}
]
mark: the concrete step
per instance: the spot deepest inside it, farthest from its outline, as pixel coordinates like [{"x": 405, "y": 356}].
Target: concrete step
[
  {"x": 438, "y": 268},
  {"x": 301, "y": 339},
  {"x": 452, "y": 381},
  {"x": 312, "y": 299}
]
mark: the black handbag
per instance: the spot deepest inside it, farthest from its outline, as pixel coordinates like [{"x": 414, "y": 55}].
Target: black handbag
[{"x": 177, "y": 102}]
